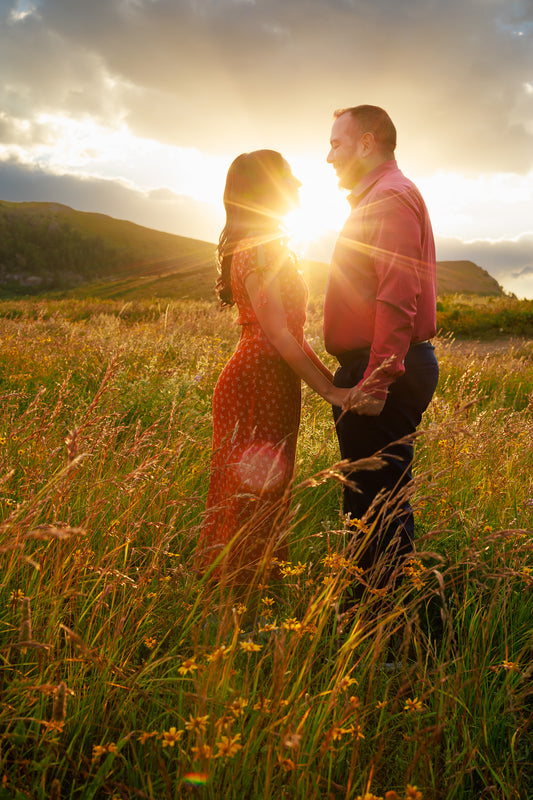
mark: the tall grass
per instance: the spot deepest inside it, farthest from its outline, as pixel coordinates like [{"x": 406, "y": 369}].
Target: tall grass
[{"x": 125, "y": 675}]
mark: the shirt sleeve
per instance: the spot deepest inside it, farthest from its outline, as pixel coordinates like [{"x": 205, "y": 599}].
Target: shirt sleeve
[{"x": 393, "y": 232}]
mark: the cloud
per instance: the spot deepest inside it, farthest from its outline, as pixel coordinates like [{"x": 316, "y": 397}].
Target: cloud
[
  {"x": 160, "y": 209},
  {"x": 231, "y": 75},
  {"x": 510, "y": 261}
]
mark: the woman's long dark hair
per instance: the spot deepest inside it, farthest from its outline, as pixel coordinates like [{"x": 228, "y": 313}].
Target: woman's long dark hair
[{"x": 252, "y": 195}]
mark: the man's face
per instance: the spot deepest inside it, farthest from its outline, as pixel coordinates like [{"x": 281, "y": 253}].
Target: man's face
[{"x": 346, "y": 152}]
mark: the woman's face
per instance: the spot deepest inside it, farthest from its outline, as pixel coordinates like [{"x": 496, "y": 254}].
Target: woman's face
[{"x": 287, "y": 186}]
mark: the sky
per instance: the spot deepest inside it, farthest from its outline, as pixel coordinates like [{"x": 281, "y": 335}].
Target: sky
[{"x": 136, "y": 108}]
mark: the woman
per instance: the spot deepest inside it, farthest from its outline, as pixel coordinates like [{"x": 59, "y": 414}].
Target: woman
[{"x": 256, "y": 404}]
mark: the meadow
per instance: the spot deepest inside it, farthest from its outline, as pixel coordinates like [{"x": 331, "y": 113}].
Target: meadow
[{"x": 125, "y": 675}]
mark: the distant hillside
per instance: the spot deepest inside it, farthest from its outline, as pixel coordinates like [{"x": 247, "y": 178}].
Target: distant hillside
[
  {"x": 49, "y": 247},
  {"x": 465, "y": 277}
]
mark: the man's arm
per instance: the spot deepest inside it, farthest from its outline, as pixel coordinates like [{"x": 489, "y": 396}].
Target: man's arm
[{"x": 394, "y": 233}]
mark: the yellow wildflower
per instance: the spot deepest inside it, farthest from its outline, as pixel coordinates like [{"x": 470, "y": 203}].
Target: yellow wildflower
[
  {"x": 224, "y": 723},
  {"x": 292, "y": 624},
  {"x": 412, "y": 793},
  {"x": 238, "y": 706},
  {"x": 250, "y": 647},
  {"x": 220, "y": 652},
  {"x": 357, "y": 731},
  {"x": 413, "y": 569},
  {"x": 263, "y": 704},
  {"x": 145, "y": 735},
  {"x": 358, "y": 525},
  {"x": 413, "y": 705},
  {"x": 310, "y": 629},
  {"x": 346, "y": 681},
  {"x": 150, "y": 642},
  {"x": 103, "y": 749},
  {"x": 268, "y": 627},
  {"x": 202, "y": 751},
  {"x": 197, "y": 724},
  {"x": 189, "y": 665},
  {"x": 228, "y": 746},
  {"x": 171, "y": 736},
  {"x": 337, "y": 732},
  {"x": 17, "y": 594},
  {"x": 267, "y": 601},
  {"x": 287, "y": 569}
]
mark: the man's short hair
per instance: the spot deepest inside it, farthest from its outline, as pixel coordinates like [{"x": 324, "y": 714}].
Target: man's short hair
[{"x": 374, "y": 120}]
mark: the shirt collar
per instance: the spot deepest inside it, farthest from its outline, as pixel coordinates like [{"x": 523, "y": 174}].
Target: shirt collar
[{"x": 370, "y": 179}]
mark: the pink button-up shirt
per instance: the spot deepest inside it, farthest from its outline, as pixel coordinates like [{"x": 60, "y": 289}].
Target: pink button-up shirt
[{"x": 382, "y": 286}]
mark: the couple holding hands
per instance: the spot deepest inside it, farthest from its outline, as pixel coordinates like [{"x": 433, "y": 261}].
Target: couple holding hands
[{"x": 379, "y": 318}]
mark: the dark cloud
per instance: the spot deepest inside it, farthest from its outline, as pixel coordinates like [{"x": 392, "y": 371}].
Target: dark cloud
[
  {"x": 523, "y": 273},
  {"x": 230, "y": 75},
  {"x": 504, "y": 259},
  {"x": 160, "y": 209}
]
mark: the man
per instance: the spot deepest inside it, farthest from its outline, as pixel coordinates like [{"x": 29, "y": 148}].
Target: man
[{"x": 379, "y": 315}]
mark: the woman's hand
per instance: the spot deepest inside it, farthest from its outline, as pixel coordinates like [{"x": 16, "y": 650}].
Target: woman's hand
[
  {"x": 339, "y": 396},
  {"x": 363, "y": 403}
]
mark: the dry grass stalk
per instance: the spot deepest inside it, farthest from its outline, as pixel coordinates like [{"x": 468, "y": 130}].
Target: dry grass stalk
[
  {"x": 25, "y": 631},
  {"x": 71, "y": 442},
  {"x": 55, "y": 790},
  {"x": 59, "y": 710},
  {"x": 60, "y": 532}
]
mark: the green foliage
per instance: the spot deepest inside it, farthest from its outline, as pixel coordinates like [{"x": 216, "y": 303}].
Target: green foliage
[
  {"x": 43, "y": 253},
  {"x": 124, "y": 674},
  {"x": 47, "y": 247},
  {"x": 484, "y": 317}
]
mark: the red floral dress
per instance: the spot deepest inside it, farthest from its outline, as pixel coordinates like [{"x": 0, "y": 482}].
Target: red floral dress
[{"x": 256, "y": 415}]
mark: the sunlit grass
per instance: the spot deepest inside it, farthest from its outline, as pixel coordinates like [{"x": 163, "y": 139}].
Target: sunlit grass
[{"x": 125, "y": 675}]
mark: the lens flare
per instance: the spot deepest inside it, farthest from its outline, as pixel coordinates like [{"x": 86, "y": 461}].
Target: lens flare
[
  {"x": 195, "y": 778},
  {"x": 262, "y": 467}
]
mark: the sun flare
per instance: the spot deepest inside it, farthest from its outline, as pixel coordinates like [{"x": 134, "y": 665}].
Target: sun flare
[{"x": 323, "y": 207}]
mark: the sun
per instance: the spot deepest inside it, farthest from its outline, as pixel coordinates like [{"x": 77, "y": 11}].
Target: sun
[{"x": 323, "y": 207}]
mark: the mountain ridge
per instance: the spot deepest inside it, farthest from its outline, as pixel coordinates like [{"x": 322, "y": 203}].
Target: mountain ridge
[{"x": 50, "y": 247}]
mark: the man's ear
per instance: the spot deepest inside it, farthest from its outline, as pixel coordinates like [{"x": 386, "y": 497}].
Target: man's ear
[{"x": 367, "y": 144}]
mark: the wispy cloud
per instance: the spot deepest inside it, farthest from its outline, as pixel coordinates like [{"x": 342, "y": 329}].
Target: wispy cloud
[{"x": 221, "y": 74}]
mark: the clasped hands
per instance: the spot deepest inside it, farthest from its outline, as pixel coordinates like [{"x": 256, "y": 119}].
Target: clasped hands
[{"x": 360, "y": 402}]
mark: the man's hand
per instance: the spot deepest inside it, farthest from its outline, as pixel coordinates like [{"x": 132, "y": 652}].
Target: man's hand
[{"x": 363, "y": 403}]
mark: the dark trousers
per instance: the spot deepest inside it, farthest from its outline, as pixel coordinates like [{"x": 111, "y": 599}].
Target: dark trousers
[{"x": 381, "y": 498}]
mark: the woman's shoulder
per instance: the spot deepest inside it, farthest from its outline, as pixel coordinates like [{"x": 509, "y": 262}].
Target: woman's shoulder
[{"x": 256, "y": 254}]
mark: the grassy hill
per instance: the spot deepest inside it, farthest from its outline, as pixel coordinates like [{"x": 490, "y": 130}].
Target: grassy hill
[
  {"x": 465, "y": 277},
  {"x": 49, "y": 247}
]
